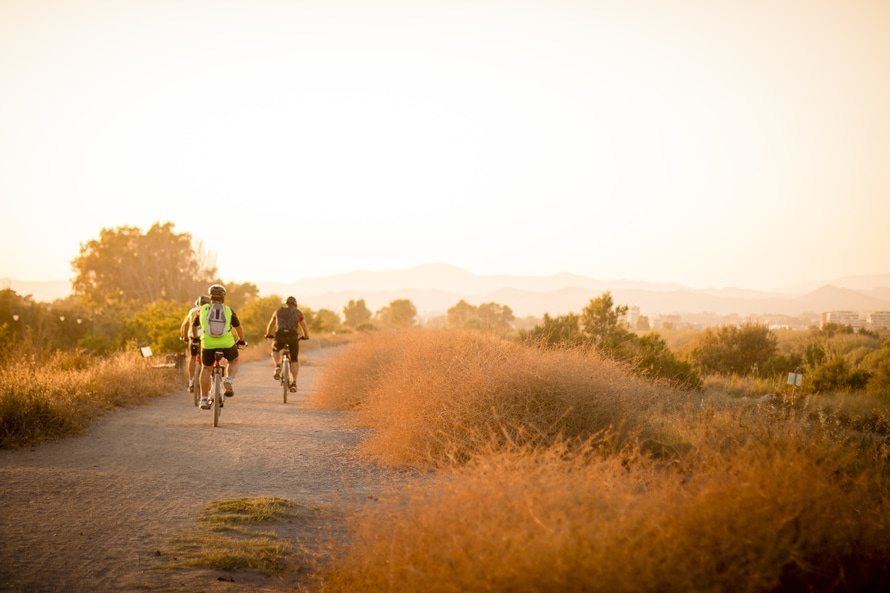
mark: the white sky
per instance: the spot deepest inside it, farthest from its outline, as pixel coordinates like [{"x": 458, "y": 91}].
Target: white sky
[{"x": 709, "y": 143}]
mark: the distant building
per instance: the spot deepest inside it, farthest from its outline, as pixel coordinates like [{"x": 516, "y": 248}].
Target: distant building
[
  {"x": 879, "y": 319},
  {"x": 632, "y": 315},
  {"x": 850, "y": 318}
]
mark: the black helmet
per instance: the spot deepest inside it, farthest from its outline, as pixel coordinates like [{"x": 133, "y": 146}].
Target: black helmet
[
  {"x": 217, "y": 290},
  {"x": 202, "y": 300},
  {"x": 291, "y": 301}
]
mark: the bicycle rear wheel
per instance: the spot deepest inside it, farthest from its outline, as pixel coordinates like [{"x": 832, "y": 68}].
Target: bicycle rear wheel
[
  {"x": 285, "y": 379},
  {"x": 216, "y": 391}
]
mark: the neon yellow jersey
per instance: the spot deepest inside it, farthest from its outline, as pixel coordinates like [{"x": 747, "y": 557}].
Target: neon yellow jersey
[{"x": 208, "y": 342}]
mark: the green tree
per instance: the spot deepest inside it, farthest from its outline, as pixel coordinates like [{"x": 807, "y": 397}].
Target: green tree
[
  {"x": 255, "y": 316},
  {"x": 834, "y": 374},
  {"x": 400, "y": 313},
  {"x": 325, "y": 320},
  {"x": 601, "y": 324},
  {"x": 495, "y": 318},
  {"x": 561, "y": 332},
  {"x": 157, "y": 325},
  {"x": 649, "y": 355},
  {"x": 490, "y": 317},
  {"x": 734, "y": 350},
  {"x": 126, "y": 265},
  {"x": 238, "y": 294},
  {"x": 461, "y": 315},
  {"x": 20, "y": 316},
  {"x": 879, "y": 383},
  {"x": 356, "y": 314}
]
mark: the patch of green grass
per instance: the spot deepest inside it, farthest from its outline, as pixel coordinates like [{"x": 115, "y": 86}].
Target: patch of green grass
[
  {"x": 260, "y": 509},
  {"x": 261, "y": 552},
  {"x": 226, "y": 537}
]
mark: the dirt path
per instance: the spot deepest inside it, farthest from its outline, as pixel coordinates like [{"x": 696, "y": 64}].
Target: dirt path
[{"x": 88, "y": 513}]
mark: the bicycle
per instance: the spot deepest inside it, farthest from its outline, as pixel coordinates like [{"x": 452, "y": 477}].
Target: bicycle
[
  {"x": 216, "y": 389},
  {"x": 286, "y": 371},
  {"x": 216, "y": 395}
]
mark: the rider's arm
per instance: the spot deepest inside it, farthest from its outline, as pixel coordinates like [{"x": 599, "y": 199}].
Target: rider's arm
[
  {"x": 236, "y": 325},
  {"x": 304, "y": 327},
  {"x": 185, "y": 328},
  {"x": 272, "y": 321}
]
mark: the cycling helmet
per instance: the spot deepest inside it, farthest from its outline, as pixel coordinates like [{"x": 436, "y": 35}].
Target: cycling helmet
[
  {"x": 202, "y": 300},
  {"x": 291, "y": 301},
  {"x": 217, "y": 290}
]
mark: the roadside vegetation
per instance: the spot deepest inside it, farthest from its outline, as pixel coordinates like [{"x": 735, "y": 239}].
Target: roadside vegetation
[
  {"x": 560, "y": 470},
  {"x": 48, "y": 397},
  {"x": 600, "y": 327}
]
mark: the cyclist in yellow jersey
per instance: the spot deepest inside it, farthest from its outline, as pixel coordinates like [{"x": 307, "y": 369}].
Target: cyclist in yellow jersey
[{"x": 217, "y": 320}]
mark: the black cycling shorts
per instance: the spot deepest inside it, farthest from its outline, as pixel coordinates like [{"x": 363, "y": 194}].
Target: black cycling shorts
[
  {"x": 208, "y": 358},
  {"x": 292, "y": 342},
  {"x": 195, "y": 348}
]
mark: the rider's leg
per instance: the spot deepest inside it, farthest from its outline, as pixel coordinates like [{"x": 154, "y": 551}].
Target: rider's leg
[
  {"x": 205, "y": 380},
  {"x": 191, "y": 358},
  {"x": 231, "y": 371},
  {"x": 295, "y": 371},
  {"x": 232, "y": 368}
]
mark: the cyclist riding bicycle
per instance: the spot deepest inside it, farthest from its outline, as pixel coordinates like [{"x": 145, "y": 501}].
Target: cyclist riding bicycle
[
  {"x": 191, "y": 335},
  {"x": 287, "y": 321},
  {"x": 217, "y": 320}
]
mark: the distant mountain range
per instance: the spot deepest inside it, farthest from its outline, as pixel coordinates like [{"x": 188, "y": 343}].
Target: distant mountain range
[{"x": 435, "y": 287}]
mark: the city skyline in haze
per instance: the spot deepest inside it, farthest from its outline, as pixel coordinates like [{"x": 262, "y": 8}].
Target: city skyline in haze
[{"x": 724, "y": 144}]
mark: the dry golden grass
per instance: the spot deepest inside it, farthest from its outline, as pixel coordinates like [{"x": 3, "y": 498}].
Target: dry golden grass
[
  {"x": 435, "y": 397},
  {"x": 40, "y": 400},
  {"x": 750, "y": 497},
  {"x": 771, "y": 513}
]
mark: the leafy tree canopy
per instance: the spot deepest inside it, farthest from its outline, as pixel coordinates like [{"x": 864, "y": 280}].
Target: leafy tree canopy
[
  {"x": 127, "y": 265},
  {"x": 400, "y": 313}
]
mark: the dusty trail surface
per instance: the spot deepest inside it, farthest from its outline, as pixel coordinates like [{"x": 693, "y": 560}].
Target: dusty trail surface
[{"x": 88, "y": 513}]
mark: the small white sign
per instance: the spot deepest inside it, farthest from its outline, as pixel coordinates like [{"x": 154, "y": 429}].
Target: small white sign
[
  {"x": 146, "y": 351},
  {"x": 795, "y": 379}
]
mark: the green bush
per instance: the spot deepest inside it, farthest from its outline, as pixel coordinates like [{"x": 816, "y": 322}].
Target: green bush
[
  {"x": 600, "y": 327},
  {"x": 835, "y": 374},
  {"x": 157, "y": 325},
  {"x": 731, "y": 350}
]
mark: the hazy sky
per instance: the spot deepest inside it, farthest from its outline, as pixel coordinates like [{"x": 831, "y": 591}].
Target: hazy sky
[{"x": 710, "y": 143}]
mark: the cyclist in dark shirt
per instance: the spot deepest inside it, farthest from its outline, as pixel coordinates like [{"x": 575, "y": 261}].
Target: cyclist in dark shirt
[{"x": 286, "y": 323}]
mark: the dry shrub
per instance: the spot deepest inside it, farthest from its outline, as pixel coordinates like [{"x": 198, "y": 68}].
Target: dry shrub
[
  {"x": 434, "y": 397},
  {"x": 774, "y": 505},
  {"x": 40, "y": 400}
]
